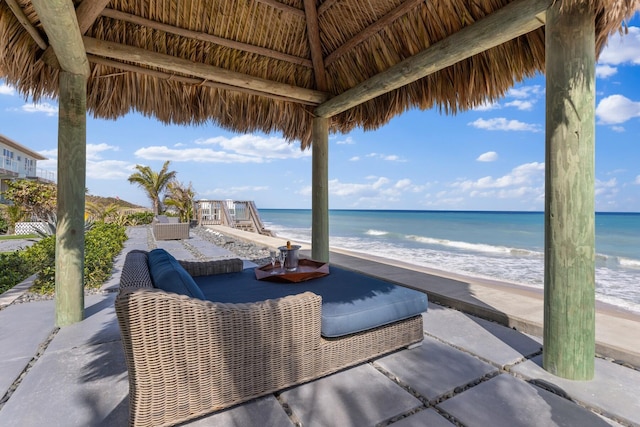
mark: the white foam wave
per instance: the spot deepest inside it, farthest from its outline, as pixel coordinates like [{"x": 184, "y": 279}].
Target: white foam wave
[
  {"x": 475, "y": 247},
  {"x": 629, "y": 263},
  {"x": 376, "y": 232}
]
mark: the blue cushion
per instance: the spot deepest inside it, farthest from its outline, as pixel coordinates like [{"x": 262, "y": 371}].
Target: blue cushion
[
  {"x": 351, "y": 302},
  {"x": 167, "y": 274}
]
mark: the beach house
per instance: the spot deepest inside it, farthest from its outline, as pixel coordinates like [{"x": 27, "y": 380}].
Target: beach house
[{"x": 19, "y": 162}]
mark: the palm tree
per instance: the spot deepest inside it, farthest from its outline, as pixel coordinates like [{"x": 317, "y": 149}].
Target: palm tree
[
  {"x": 181, "y": 198},
  {"x": 153, "y": 183}
]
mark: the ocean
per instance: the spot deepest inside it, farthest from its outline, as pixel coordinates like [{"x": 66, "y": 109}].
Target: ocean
[{"x": 507, "y": 246}]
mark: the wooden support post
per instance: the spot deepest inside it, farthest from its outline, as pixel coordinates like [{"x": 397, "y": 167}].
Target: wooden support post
[
  {"x": 569, "y": 279},
  {"x": 320, "y": 190},
  {"x": 72, "y": 127}
]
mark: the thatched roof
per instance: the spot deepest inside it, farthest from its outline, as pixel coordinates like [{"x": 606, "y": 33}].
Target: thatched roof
[{"x": 266, "y": 65}]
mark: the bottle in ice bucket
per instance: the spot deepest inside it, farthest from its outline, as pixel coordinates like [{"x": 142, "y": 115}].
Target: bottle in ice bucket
[{"x": 291, "y": 262}]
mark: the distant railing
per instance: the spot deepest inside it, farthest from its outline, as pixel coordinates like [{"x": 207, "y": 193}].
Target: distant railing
[{"x": 231, "y": 213}]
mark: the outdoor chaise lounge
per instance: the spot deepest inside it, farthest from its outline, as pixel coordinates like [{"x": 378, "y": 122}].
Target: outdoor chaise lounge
[
  {"x": 169, "y": 228},
  {"x": 202, "y": 336}
]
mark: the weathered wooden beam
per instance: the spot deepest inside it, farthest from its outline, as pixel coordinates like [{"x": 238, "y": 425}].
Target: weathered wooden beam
[
  {"x": 245, "y": 47},
  {"x": 59, "y": 20},
  {"x": 207, "y": 72},
  {"x": 372, "y": 29},
  {"x": 513, "y": 20},
  {"x": 320, "y": 189},
  {"x": 72, "y": 137},
  {"x": 186, "y": 80},
  {"x": 569, "y": 274},
  {"x": 283, "y": 7},
  {"x": 326, "y": 5},
  {"x": 24, "y": 21},
  {"x": 313, "y": 34},
  {"x": 86, "y": 13}
]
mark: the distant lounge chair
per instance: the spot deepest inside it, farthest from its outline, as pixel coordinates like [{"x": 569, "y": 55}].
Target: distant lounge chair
[{"x": 169, "y": 228}]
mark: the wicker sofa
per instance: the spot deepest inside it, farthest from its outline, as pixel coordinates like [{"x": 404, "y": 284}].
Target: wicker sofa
[
  {"x": 187, "y": 357},
  {"x": 169, "y": 228}
]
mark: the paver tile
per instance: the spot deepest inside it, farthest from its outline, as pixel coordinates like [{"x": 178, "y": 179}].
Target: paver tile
[
  {"x": 263, "y": 412},
  {"x": 614, "y": 390},
  {"x": 83, "y": 387},
  {"x": 434, "y": 369},
  {"x": 360, "y": 396},
  {"x": 426, "y": 418},
  {"x": 505, "y": 401},
  {"x": 490, "y": 341}
]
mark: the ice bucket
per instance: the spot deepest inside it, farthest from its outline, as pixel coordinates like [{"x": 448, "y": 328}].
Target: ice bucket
[{"x": 291, "y": 262}]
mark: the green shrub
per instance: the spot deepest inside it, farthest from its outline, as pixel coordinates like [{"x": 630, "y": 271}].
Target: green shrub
[
  {"x": 4, "y": 225},
  {"x": 140, "y": 218},
  {"x": 14, "y": 270},
  {"x": 102, "y": 243}
]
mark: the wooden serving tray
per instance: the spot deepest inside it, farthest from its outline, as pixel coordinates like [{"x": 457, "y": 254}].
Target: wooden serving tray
[{"x": 307, "y": 269}]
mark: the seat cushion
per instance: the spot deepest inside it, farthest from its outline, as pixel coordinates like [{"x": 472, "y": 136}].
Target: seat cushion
[
  {"x": 351, "y": 302},
  {"x": 167, "y": 274}
]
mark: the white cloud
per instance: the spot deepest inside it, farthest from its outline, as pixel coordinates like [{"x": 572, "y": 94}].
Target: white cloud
[
  {"x": 109, "y": 169},
  {"x": 96, "y": 168},
  {"x": 521, "y": 105},
  {"x": 45, "y": 107},
  {"x": 618, "y": 129},
  {"x": 224, "y": 192},
  {"x": 201, "y": 155},
  {"x": 604, "y": 71},
  {"x": 403, "y": 183},
  {"x": 378, "y": 191},
  {"x": 622, "y": 48},
  {"x": 526, "y": 91},
  {"x": 94, "y": 150},
  {"x": 354, "y": 159},
  {"x": 637, "y": 181},
  {"x": 239, "y": 149},
  {"x": 500, "y": 123},
  {"x": 526, "y": 174},
  {"x": 264, "y": 148},
  {"x": 616, "y": 109},
  {"x": 603, "y": 187},
  {"x": 7, "y": 90},
  {"x": 489, "y": 156},
  {"x": 348, "y": 141},
  {"x": 386, "y": 157},
  {"x": 487, "y": 106}
]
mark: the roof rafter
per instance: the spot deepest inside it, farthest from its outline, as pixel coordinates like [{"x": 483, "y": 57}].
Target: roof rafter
[
  {"x": 515, "y": 19},
  {"x": 371, "y": 30},
  {"x": 86, "y": 13},
  {"x": 313, "y": 34},
  {"x": 59, "y": 20},
  {"x": 283, "y": 7},
  {"x": 187, "y": 80},
  {"x": 24, "y": 21},
  {"x": 128, "y": 17},
  {"x": 208, "y": 72}
]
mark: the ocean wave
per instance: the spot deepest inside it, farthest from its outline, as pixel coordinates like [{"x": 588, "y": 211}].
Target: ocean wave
[
  {"x": 629, "y": 263},
  {"x": 475, "y": 247},
  {"x": 376, "y": 232}
]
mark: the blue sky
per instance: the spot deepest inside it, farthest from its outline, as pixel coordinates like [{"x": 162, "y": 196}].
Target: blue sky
[{"x": 491, "y": 158}]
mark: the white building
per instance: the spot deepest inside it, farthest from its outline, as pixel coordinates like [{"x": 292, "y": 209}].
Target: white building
[{"x": 18, "y": 162}]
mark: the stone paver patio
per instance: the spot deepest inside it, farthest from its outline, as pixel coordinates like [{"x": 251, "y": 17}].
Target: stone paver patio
[{"x": 468, "y": 371}]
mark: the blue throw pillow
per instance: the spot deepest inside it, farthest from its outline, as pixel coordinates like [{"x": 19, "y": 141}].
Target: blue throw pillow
[{"x": 167, "y": 274}]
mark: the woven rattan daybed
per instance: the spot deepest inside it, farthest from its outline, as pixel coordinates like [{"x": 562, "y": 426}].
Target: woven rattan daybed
[{"x": 187, "y": 357}]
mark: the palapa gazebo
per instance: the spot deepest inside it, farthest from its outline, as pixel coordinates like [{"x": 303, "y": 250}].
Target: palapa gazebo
[{"x": 307, "y": 68}]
